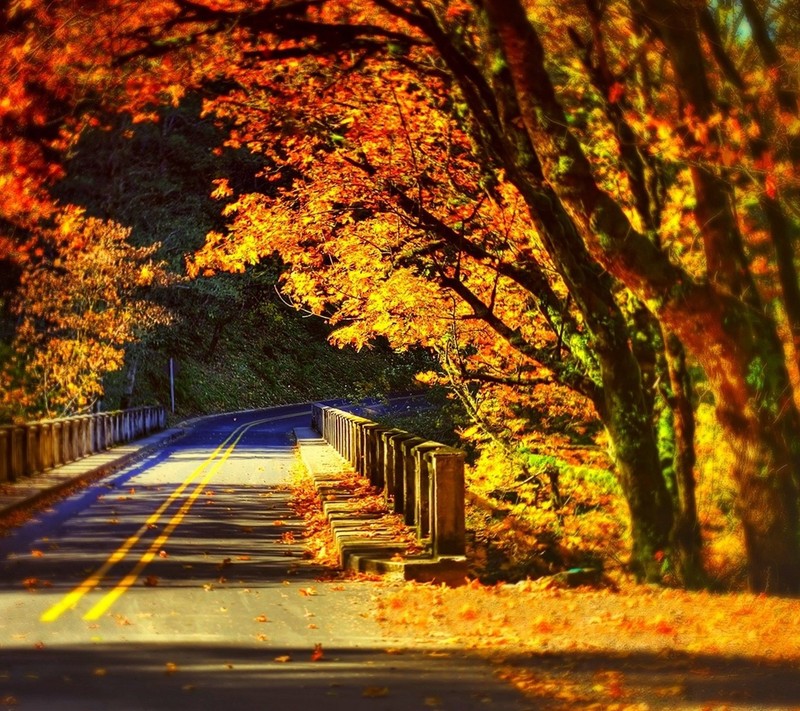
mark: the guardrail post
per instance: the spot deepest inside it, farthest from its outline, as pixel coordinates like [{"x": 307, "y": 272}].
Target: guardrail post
[
  {"x": 100, "y": 432},
  {"x": 373, "y": 454},
  {"x": 5, "y": 453},
  {"x": 422, "y": 487},
  {"x": 46, "y": 445},
  {"x": 387, "y": 464},
  {"x": 409, "y": 478},
  {"x": 68, "y": 433},
  {"x": 423, "y": 480},
  {"x": 448, "y": 529},
  {"x": 58, "y": 453},
  {"x": 18, "y": 453},
  {"x": 351, "y": 440},
  {"x": 33, "y": 443}
]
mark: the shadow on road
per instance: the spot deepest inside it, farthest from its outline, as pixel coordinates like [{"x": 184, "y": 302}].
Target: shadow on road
[
  {"x": 245, "y": 535},
  {"x": 155, "y": 677}
]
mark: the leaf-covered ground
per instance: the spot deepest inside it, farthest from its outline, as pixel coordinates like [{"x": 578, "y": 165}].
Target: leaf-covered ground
[
  {"x": 639, "y": 648},
  {"x": 625, "y": 647}
]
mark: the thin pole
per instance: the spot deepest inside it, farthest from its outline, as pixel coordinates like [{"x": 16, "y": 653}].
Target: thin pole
[{"x": 172, "y": 383}]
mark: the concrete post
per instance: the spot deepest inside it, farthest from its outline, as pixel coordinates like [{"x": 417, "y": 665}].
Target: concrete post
[
  {"x": 422, "y": 488},
  {"x": 91, "y": 442},
  {"x": 352, "y": 441},
  {"x": 68, "y": 439},
  {"x": 33, "y": 453},
  {"x": 84, "y": 435},
  {"x": 448, "y": 529},
  {"x": 46, "y": 445},
  {"x": 64, "y": 443},
  {"x": 362, "y": 443},
  {"x": 18, "y": 453},
  {"x": 100, "y": 432},
  {"x": 373, "y": 453},
  {"x": 5, "y": 453},
  {"x": 58, "y": 455},
  {"x": 409, "y": 478},
  {"x": 387, "y": 464}
]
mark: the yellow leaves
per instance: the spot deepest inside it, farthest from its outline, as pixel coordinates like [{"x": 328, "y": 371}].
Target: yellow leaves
[
  {"x": 79, "y": 307},
  {"x": 222, "y": 189},
  {"x": 146, "y": 275}
]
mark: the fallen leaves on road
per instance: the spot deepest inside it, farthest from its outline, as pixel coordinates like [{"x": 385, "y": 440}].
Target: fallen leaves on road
[
  {"x": 151, "y": 581},
  {"x": 375, "y": 692},
  {"x": 638, "y": 648},
  {"x": 283, "y": 659},
  {"x": 317, "y": 655},
  {"x": 170, "y": 668},
  {"x": 262, "y": 618}
]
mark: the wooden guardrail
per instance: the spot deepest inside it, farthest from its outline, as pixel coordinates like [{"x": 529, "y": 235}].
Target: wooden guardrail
[
  {"x": 422, "y": 480},
  {"x": 29, "y": 449}
]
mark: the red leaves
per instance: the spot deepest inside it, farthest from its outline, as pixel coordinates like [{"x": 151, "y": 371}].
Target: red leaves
[
  {"x": 771, "y": 186},
  {"x": 615, "y": 92}
]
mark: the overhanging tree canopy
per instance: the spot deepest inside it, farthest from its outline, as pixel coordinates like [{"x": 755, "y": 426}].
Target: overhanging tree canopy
[{"x": 549, "y": 196}]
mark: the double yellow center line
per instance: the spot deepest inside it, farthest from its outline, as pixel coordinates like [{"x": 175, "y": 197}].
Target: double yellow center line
[{"x": 70, "y": 600}]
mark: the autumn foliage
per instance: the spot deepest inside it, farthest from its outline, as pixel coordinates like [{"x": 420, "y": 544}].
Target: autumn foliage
[
  {"x": 77, "y": 310},
  {"x": 587, "y": 210}
]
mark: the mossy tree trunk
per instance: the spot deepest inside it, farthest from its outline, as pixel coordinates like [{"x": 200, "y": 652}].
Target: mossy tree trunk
[{"x": 736, "y": 345}]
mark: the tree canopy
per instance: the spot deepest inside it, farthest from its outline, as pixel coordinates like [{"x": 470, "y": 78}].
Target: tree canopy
[{"x": 582, "y": 207}]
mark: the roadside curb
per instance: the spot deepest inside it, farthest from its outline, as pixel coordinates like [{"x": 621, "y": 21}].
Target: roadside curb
[
  {"x": 29, "y": 492},
  {"x": 363, "y": 545}
]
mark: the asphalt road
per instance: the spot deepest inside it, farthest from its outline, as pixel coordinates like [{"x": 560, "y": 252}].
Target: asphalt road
[{"x": 180, "y": 582}]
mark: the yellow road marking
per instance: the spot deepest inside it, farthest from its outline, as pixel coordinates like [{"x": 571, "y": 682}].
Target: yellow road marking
[
  {"x": 111, "y": 597},
  {"x": 71, "y": 599}
]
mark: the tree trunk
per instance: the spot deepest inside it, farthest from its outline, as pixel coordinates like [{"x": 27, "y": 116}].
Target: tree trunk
[
  {"x": 635, "y": 453},
  {"x": 687, "y": 541},
  {"x": 736, "y": 345}
]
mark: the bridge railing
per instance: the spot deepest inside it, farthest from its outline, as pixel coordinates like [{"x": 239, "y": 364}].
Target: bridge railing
[
  {"x": 422, "y": 480},
  {"x": 32, "y": 448}
]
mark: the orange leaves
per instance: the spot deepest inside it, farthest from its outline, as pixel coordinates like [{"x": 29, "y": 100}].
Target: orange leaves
[
  {"x": 375, "y": 692},
  {"x": 78, "y": 308}
]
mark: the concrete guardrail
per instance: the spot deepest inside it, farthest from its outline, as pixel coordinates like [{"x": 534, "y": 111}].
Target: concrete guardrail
[
  {"x": 422, "y": 480},
  {"x": 29, "y": 449}
]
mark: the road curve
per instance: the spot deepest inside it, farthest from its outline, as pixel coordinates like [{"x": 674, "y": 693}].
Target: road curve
[{"x": 180, "y": 581}]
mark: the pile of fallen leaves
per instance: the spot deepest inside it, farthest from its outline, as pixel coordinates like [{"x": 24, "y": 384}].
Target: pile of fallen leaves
[
  {"x": 638, "y": 648},
  {"x": 362, "y": 499}
]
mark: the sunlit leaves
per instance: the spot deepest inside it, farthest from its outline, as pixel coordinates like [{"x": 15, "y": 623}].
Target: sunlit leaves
[{"x": 78, "y": 309}]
